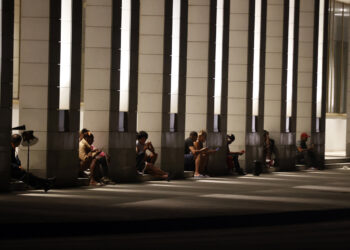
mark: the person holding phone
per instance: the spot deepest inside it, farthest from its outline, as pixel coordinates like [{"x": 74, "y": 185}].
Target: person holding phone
[
  {"x": 88, "y": 157},
  {"x": 202, "y": 156},
  {"x": 145, "y": 161},
  {"x": 191, "y": 153},
  {"x": 232, "y": 157},
  {"x": 269, "y": 150},
  {"x": 306, "y": 153}
]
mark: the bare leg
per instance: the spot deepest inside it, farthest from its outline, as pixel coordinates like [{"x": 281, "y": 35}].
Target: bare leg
[
  {"x": 197, "y": 165},
  {"x": 153, "y": 158},
  {"x": 201, "y": 164},
  {"x": 155, "y": 171},
  {"x": 92, "y": 172},
  {"x": 203, "y": 169}
]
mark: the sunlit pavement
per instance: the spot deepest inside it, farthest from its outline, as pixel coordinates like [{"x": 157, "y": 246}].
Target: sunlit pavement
[{"x": 221, "y": 203}]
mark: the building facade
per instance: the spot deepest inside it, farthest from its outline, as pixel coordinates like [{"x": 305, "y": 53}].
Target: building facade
[{"x": 170, "y": 67}]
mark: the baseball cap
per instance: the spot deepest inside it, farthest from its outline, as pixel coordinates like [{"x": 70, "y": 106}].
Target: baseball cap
[{"x": 304, "y": 135}]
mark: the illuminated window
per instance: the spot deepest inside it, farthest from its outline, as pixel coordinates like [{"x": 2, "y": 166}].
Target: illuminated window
[
  {"x": 125, "y": 56},
  {"x": 256, "y": 60},
  {"x": 290, "y": 57},
  {"x": 175, "y": 56},
  {"x": 218, "y": 55},
  {"x": 320, "y": 59},
  {"x": 65, "y": 56}
]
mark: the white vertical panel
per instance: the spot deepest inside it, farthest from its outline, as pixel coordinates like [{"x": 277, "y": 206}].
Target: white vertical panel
[
  {"x": 66, "y": 52},
  {"x": 320, "y": 59},
  {"x": 290, "y": 57},
  {"x": 256, "y": 61},
  {"x": 175, "y": 56},
  {"x": 335, "y": 135},
  {"x": 125, "y": 56},
  {"x": 218, "y": 55}
]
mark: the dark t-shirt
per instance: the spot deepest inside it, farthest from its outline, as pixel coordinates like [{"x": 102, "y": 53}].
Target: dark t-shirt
[
  {"x": 188, "y": 144},
  {"x": 302, "y": 144}
]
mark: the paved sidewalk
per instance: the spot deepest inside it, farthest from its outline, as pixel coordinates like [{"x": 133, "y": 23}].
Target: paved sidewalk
[{"x": 221, "y": 202}]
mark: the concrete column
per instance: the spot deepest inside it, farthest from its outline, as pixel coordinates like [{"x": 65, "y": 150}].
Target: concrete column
[
  {"x": 197, "y": 65},
  {"x": 122, "y": 133},
  {"x": 6, "y": 71},
  {"x": 34, "y": 65},
  {"x": 173, "y": 141},
  {"x": 217, "y": 133},
  {"x": 273, "y": 75},
  {"x": 254, "y": 149},
  {"x": 274, "y": 119},
  {"x": 63, "y": 125},
  {"x": 237, "y": 77},
  {"x": 98, "y": 21},
  {"x": 305, "y": 62},
  {"x": 150, "y": 85}
]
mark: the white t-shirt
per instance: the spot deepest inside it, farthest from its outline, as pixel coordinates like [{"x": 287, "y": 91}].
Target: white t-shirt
[{"x": 140, "y": 147}]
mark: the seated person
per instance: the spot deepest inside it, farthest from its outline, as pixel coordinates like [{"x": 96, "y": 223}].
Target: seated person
[
  {"x": 17, "y": 172},
  {"x": 88, "y": 157},
  {"x": 190, "y": 152},
  {"x": 232, "y": 157},
  {"x": 202, "y": 158},
  {"x": 82, "y": 133},
  {"x": 307, "y": 153},
  {"x": 145, "y": 162},
  {"x": 103, "y": 160},
  {"x": 269, "y": 150}
]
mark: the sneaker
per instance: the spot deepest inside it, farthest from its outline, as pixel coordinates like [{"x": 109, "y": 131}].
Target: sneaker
[
  {"x": 106, "y": 180},
  {"x": 46, "y": 186},
  {"x": 199, "y": 176},
  {"x": 230, "y": 172},
  {"x": 96, "y": 184},
  {"x": 241, "y": 173},
  {"x": 49, "y": 182}
]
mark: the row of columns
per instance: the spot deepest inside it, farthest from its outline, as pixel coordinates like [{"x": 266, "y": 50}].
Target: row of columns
[{"x": 148, "y": 85}]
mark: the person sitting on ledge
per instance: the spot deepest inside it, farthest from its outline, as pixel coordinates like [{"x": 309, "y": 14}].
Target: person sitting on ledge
[
  {"x": 191, "y": 153},
  {"x": 88, "y": 157},
  {"x": 232, "y": 157},
  {"x": 145, "y": 162},
  {"x": 306, "y": 153},
  {"x": 103, "y": 160},
  {"x": 269, "y": 150},
  {"x": 82, "y": 133},
  {"x": 202, "y": 158},
  {"x": 17, "y": 171}
]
